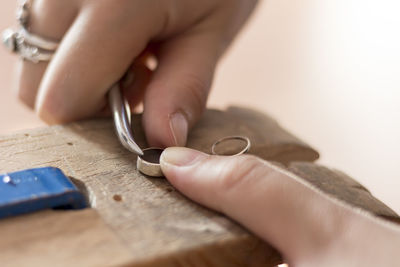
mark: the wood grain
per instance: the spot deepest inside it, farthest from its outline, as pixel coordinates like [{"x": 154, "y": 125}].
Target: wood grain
[
  {"x": 156, "y": 224},
  {"x": 269, "y": 140},
  {"x": 340, "y": 185},
  {"x": 136, "y": 220},
  {"x": 60, "y": 238}
]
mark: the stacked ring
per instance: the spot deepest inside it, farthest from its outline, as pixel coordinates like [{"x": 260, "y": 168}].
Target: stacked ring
[{"x": 29, "y": 46}]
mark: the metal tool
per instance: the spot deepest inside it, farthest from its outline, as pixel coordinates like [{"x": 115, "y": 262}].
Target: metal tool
[
  {"x": 122, "y": 119},
  {"x": 148, "y": 160}
]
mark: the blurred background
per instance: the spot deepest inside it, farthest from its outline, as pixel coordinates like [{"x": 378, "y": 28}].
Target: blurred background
[{"x": 328, "y": 71}]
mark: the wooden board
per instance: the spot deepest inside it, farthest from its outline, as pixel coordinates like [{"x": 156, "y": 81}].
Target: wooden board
[
  {"x": 60, "y": 238},
  {"x": 269, "y": 140},
  {"x": 135, "y": 220},
  {"x": 340, "y": 185}
]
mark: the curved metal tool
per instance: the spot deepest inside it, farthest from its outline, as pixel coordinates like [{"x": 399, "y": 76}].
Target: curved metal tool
[{"x": 122, "y": 122}]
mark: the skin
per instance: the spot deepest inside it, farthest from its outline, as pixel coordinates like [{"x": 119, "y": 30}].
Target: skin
[
  {"x": 103, "y": 39},
  {"x": 308, "y": 227}
]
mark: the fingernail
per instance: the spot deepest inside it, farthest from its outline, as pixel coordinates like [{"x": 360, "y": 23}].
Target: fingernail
[
  {"x": 179, "y": 128},
  {"x": 181, "y": 156}
]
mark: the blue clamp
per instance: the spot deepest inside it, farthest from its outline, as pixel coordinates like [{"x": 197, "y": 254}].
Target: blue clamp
[{"x": 37, "y": 189}]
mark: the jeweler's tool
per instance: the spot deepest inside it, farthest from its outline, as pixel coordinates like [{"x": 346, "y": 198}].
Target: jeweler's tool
[
  {"x": 148, "y": 160},
  {"x": 122, "y": 119},
  {"x": 37, "y": 189}
]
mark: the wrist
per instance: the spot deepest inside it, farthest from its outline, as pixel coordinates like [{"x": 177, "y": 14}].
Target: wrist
[{"x": 308, "y": 222}]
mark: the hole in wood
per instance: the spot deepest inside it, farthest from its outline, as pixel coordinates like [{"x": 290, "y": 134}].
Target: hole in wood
[
  {"x": 117, "y": 198},
  {"x": 70, "y": 144}
]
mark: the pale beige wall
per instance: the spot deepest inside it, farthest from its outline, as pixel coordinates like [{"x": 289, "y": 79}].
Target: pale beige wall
[{"x": 327, "y": 70}]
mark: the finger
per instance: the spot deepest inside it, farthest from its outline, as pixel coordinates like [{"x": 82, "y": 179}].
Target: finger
[
  {"x": 94, "y": 54},
  {"x": 177, "y": 93},
  {"x": 48, "y": 19},
  {"x": 271, "y": 202}
]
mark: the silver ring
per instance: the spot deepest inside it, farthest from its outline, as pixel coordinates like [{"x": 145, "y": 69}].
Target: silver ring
[
  {"x": 23, "y": 16},
  {"x": 228, "y": 138},
  {"x": 36, "y": 40},
  {"x": 149, "y": 162},
  {"x": 29, "y": 46},
  {"x": 16, "y": 42}
]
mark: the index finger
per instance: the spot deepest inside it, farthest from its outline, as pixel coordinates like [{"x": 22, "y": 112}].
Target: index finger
[{"x": 95, "y": 52}]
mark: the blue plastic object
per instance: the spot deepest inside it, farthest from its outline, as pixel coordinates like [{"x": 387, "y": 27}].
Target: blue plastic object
[{"x": 36, "y": 189}]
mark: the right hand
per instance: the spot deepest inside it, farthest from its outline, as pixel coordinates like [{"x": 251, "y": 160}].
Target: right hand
[{"x": 100, "y": 39}]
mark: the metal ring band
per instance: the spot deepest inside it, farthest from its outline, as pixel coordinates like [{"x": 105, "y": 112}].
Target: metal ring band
[
  {"x": 16, "y": 43},
  {"x": 38, "y": 41},
  {"x": 32, "y": 53},
  {"x": 29, "y": 46},
  {"x": 149, "y": 162},
  {"x": 23, "y": 15},
  {"x": 227, "y": 138}
]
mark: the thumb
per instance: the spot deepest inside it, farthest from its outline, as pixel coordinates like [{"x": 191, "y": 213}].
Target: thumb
[{"x": 274, "y": 204}]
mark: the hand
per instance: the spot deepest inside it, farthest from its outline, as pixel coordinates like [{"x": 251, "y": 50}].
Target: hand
[
  {"x": 101, "y": 39},
  {"x": 308, "y": 227}
]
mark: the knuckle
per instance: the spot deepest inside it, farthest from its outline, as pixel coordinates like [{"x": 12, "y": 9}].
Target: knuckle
[
  {"x": 196, "y": 91},
  {"x": 239, "y": 171},
  {"x": 51, "y": 110},
  {"x": 52, "y": 18},
  {"x": 45, "y": 113}
]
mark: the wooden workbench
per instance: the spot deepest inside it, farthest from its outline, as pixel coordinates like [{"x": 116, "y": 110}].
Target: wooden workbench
[{"x": 140, "y": 221}]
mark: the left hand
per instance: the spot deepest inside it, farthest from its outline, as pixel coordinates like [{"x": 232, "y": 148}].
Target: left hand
[{"x": 307, "y": 226}]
